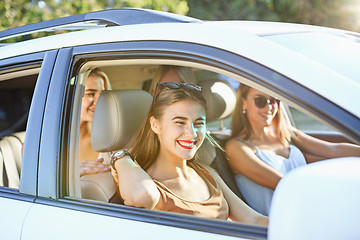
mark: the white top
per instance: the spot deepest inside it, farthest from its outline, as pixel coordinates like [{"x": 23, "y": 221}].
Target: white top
[{"x": 257, "y": 196}]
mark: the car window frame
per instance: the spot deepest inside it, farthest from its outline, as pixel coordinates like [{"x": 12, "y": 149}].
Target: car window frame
[{"x": 28, "y": 179}]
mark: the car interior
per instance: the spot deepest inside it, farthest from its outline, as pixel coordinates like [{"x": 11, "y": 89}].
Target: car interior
[
  {"x": 16, "y": 90},
  {"x": 117, "y": 118},
  {"x": 118, "y": 114}
]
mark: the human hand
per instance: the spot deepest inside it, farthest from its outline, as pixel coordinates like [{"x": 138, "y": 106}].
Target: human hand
[{"x": 93, "y": 167}]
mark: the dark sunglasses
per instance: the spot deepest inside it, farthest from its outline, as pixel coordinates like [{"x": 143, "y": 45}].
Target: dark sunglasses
[
  {"x": 261, "y": 101},
  {"x": 176, "y": 85}
]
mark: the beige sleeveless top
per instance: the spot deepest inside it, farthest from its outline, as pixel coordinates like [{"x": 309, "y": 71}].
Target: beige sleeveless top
[{"x": 214, "y": 207}]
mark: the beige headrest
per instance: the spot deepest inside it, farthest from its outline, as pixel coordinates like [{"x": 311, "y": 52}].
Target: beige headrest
[
  {"x": 220, "y": 98},
  {"x": 118, "y": 115}
]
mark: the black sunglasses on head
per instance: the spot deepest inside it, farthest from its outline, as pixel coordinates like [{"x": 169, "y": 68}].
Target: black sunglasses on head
[
  {"x": 261, "y": 101},
  {"x": 176, "y": 85}
]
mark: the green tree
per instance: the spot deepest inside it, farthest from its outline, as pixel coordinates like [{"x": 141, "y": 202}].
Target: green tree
[
  {"x": 335, "y": 13},
  {"x": 342, "y": 14},
  {"x": 230, "y": 10},
  {"x": 17, "y": 13},
  {"x": 21, "y": 12}
]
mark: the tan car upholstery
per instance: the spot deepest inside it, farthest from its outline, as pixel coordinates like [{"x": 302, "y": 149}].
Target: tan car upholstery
[
  {"x": 10, "y": 159},
  {"x": 221, "y": 100},
  {"x": 118, "y": 116}
]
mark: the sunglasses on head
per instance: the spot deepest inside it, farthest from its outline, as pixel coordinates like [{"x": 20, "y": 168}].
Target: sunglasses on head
[
  {"x": 176, "y": 85},
  {"x": 261, "y": 101}
]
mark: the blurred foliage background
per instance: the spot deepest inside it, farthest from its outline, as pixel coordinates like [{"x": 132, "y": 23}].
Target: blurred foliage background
[{"x": 344, "y": 14}]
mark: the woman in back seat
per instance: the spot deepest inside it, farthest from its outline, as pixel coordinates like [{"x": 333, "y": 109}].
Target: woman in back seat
[
  {"x": 157, "y": 170},
  {"x": 263, "y": 148},
  {"x": 90, "y": 163}
]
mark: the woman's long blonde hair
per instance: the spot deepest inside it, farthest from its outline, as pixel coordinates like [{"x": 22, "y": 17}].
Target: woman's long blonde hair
[
  {"x": 241, "y": 126},
  {"x": 145, "y": 145}
]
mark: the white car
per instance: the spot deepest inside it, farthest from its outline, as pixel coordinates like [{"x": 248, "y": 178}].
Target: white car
[{"x": 314, "y": 70}]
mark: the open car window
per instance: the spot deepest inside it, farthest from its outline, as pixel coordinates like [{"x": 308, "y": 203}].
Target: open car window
[
  {"x": 17, "y": 84},
  {"x": 99, "y": 189},
  {"x": 123, "y": 75}
]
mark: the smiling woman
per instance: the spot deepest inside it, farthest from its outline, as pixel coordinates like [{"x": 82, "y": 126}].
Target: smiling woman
[
  {"x": 159, "y": 163},
  {"x": 96, "y": 82},
  {"x": 264, "y": 148}
]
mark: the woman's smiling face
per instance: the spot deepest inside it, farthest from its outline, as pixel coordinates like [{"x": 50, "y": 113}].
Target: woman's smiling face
[
  {"x": 94, "y": 86},
  {"x": 259, "y": 116},
  {"x": 181, "y": 129}
]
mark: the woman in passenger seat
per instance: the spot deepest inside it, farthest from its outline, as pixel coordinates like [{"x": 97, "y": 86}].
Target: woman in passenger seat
[
  {"x": 157, "y": 170},
  {"x": 264, "y": 148},
  {"x": 90, "y": 162}
]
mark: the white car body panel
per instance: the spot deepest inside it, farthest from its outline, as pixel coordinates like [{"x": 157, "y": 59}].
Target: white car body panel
[
  {"x": 318, "y": 201},
  {"x": 271, "y": 28},
  {"x": 14, "y": 211},
  {"x": 306, "y": 71},
  {"x": 82, "y": 225}
]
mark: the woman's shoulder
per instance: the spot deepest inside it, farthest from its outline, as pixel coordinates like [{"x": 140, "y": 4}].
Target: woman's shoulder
[
  {"x": 240, "y": 152},
  {"x": 238, "y": 143}
]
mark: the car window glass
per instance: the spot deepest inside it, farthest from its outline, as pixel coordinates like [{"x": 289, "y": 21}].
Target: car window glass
[{"x": 304, "y": 122}]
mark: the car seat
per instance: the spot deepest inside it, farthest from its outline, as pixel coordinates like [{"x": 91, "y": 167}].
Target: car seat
[
  {"x": 220, "y": 101},
  {"x": 10, "y": 159},
  {"x": 117, "y": 117}
]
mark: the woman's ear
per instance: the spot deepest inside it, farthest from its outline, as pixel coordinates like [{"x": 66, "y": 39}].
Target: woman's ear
[
  {"x": 154, "y": 123},
  {"x": 244, "y": 103}
]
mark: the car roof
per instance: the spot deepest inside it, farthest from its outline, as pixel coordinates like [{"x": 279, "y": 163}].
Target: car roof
[
  {"x": 265, "y": 28},
  {"x": 249, "y": 40}
]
